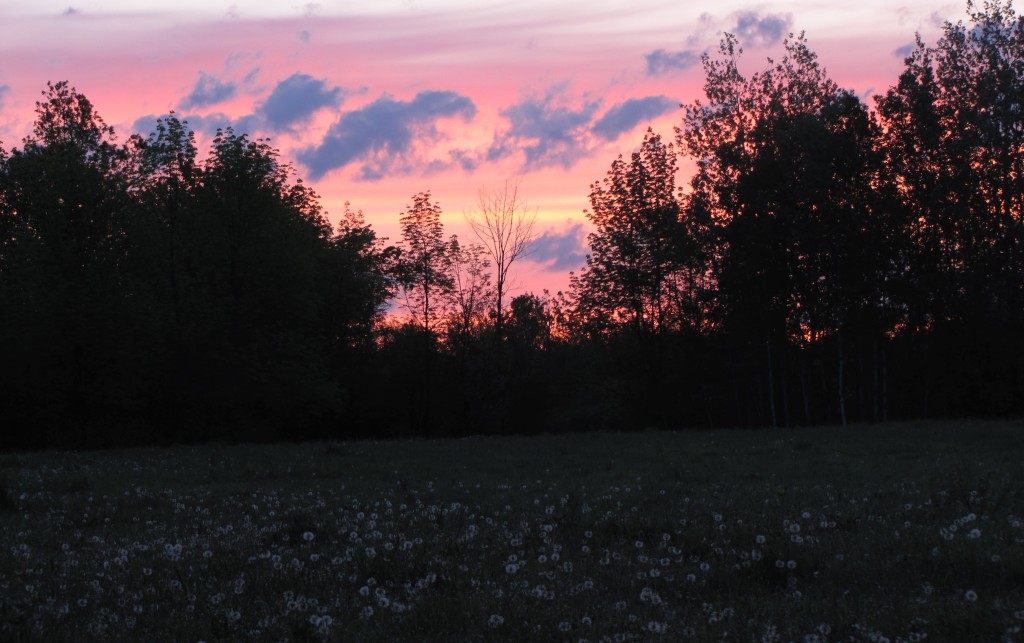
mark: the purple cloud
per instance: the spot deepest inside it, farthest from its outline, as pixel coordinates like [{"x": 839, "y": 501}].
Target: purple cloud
[
  {"x": 755, "y": 30},
  {"x": 660, "y": 61},
  {"x": 545, "y": 133},
  {"x": 625, "y": 116},
  {"x": 295, "y": 99},
  {"x": 383, "y": 133},
  {"x": 904, "y": 51},
  {"x": 208, "y": 91},
  {"x": 560, "y": 251},
  {"x": 207, "y": 124},
  {"x": 4, "y": 91}
]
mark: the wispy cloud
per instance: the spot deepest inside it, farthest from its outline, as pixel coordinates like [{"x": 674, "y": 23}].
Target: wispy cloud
[
  {"x": 904, "y": 51},
  {"x": 661, "y": 61},
  {"x": 545, "y": 131},
  {"x": 382, "y": 135},
  {"x": 295, "y": 99},
  {"x": 209, "y": 91},
  {"x": 625, "y": 116},
  {"x": 4, "y": 91},
  {"x": 756, "y": 30},
  {"x": 559, "y": 251}
]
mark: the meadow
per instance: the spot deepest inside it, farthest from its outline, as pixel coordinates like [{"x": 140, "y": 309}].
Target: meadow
[{"x": 897, "y": 532}]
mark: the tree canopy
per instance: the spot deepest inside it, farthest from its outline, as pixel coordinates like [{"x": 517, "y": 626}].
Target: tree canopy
[{"x": 828, "y": 261}]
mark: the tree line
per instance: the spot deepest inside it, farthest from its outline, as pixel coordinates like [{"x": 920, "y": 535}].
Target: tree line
[{"x": 825, "y": 263}]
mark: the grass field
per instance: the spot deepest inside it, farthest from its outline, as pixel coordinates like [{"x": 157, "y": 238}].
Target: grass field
[{"x": 897, "y": 532}]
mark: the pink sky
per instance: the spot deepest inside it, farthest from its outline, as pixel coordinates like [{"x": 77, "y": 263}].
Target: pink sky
[{"x": 375, "y": 101}]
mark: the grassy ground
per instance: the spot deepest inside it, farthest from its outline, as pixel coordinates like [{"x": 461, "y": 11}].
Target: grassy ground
[{"x": 895, "y": 532}]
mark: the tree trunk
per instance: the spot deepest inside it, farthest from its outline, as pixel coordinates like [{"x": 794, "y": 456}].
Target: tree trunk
[
  {"x": 840, "y": 384},
  {"x": 803, "y": 392},
  {"x": 771, "y": 384}
]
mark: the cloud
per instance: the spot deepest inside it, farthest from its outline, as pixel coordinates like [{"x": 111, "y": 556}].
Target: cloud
[
  {"x": 755, "y": 30},
  {"x": 661, "y": 61},
  {"x": 305, "y": 36},
  {"x": 625, "y": 116},
  {"x": 559, "y": 251},
  {"x": 464, "y": 159},
  {"x": 207, "y": 124},
  {"x": 250, "y": 78},
  {"x": 71, "y": 11},
  {"x": 384, "y": 134},
  {"x": 292, "y": 100},
  {"x": 208, "y": 91},
  {"x": 295, "y": 99},
  {"x": 904, "y": 51},
  {"x": 4, "y": 91},
  {"x": 546, "y": 133}
]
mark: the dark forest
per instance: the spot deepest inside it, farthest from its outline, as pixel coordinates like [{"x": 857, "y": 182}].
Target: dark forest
[{"x": 828, "y": 262}]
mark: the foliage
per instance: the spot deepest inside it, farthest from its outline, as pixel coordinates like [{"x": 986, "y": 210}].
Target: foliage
[
  {"x": 471, "y": 288},
  {"x": 424, "y": 267},
  {"x": 140, "y": 284},
  {"x": 632, "y": 275},
  {"x": 825, "y": 263}
]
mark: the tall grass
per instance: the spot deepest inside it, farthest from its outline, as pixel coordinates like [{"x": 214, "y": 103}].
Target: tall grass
[{"x": 894, "y": 532}]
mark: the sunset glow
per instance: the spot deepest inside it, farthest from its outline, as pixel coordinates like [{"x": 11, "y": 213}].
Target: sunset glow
[{"x": 376, "y": 101}]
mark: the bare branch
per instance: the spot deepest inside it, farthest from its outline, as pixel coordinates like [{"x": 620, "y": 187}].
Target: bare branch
[{"x": 503, "y": 223}]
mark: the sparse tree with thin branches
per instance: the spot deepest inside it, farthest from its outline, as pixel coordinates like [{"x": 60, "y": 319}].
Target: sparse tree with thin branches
[{"x": 503, "y": 224}]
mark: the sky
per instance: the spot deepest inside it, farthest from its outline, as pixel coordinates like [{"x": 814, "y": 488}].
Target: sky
[{"x": 374, "y": 101}]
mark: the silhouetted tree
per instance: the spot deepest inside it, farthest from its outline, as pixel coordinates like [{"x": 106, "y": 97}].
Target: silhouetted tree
[
  {"x": 529, "y": 322},
  {"x": 168, "y": 177},
  {"x": 504, "y": 225},
  {"x": 357, "y": 285},
  {"x": 264, "y": 242},
  {"x": 631, "y": 273},
  {"x": 423, "y": 269},
  {"x": 954, "y": 142},
  {"x": 470, "y": 290},
  {"x": 62, "y": 310},
  {"x": 787, "y": 170},
  {"x": 423, "y": 272},
  {"x": 358, "y": 280}
]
